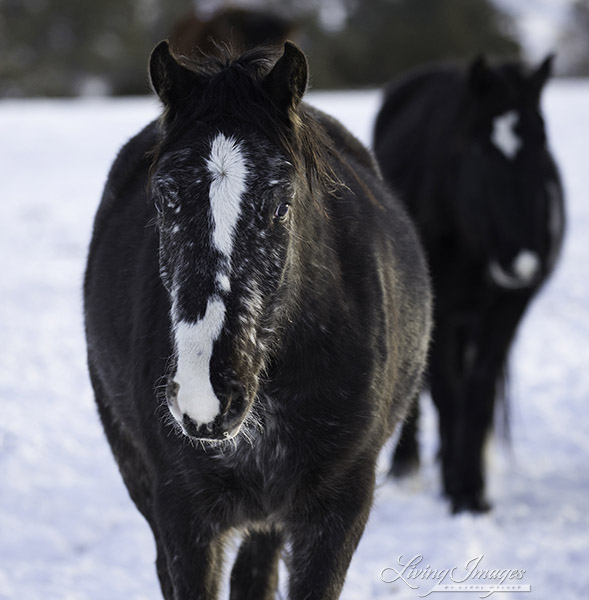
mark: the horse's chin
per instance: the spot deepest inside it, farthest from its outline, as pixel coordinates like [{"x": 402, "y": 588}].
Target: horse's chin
[{"x": 211, "y": 434}]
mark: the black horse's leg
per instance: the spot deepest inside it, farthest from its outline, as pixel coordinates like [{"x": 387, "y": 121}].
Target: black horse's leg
[
  {"x": 255, "y": 572},
  {"x": 491, "y": 347},
  {"x": 325, "y": 535},
  {"x": 445, "y": 383},
  {"x": 192, "y": 548},
  {"x": 135, "y": 475},
  {"x": 163, "y": 572},
  {"x": 406, "y": 454}
]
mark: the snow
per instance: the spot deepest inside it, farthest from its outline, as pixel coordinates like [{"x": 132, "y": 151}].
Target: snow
[{"x": 68, "y": 530}]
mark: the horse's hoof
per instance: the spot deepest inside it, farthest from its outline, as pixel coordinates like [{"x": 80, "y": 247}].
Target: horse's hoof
[{"x": 474, "y": 503}]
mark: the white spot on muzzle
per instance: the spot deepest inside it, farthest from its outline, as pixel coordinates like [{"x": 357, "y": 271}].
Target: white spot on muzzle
[
  {"x": 503, "y": 134},
  {"x": 526, "y": 265},
  {"x": 525, "y": 268},
  {"x": 194, "y": 345}
]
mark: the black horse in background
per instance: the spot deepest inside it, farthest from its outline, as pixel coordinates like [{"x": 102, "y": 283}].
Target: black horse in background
[
  {"x": 240, "y": 28},
  {"x": 466, "y": 150},
  {"x": 257, "y": 318}
]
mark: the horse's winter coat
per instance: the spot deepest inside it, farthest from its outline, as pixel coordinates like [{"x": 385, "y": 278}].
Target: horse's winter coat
[
  {"x": 467, "y": 152},
  {"x": 257, "y": 317}
]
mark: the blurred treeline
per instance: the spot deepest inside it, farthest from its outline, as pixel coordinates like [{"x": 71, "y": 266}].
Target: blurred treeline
[{"x": 73, "y": 47}]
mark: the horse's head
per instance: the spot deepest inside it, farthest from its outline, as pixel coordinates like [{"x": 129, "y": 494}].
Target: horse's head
[
  {"x": 226, "y": 184},
  {"x": 510, "y": 194}
]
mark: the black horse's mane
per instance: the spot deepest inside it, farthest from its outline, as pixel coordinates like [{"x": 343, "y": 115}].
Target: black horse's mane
[{"x": 228, "y": 87}]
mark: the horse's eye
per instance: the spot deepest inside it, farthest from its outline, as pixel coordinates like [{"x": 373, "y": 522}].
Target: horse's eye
[
  {"x": 159, "y": 207},
  {"x": 281, "y": 211}
]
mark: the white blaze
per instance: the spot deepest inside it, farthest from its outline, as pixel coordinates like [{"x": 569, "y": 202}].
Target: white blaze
[
  {"x": 227, "y": 167},
  {"x": 503, "y": 134},
  {"x": 194, "y": 344},
  {"x": 195, "y": 341}
]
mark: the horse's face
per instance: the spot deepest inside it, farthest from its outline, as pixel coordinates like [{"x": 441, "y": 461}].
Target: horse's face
[
  {"x": 226, "y": 196},
  {"x": 510, "y": 192},
  {"x": 225, "y": 207}
]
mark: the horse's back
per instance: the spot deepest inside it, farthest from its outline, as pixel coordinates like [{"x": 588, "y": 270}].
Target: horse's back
[
  {"x": 415, "y": 136},
  {"x": 420, "y": 97}
]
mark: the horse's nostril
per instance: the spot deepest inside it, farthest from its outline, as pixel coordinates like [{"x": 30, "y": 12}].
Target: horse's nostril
[
  {"x": 172, "y": 398},
  {"x": 193, "y": 429},
  {"x": 172, "y": 390},
  {"x": 236, "y": 405}
]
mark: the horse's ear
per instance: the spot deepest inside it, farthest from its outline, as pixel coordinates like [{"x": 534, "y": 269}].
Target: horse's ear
[
  {"x": 542, "y": 73},
  {"x": 287, "y": 81},
  {"x": 480, "y": 75},
  {"x": 170, "y": 80}
]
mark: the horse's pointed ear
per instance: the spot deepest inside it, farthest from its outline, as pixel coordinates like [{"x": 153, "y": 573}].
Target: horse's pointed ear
[
  {"x": 287, "y": 81},
  {"x": 170, "y": 80},
  {"x": 480, "y": 76},
  {"x": 542, "y": 73}
]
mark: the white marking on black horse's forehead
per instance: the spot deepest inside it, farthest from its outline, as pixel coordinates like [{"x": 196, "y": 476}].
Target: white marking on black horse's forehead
[
  {"x": 503, "y": 135},
  {"x": 227, "y": 166}
]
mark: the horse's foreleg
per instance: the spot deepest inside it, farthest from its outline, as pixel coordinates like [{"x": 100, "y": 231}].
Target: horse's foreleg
[
  {"x": 188, "y": 548},
  {"x": 406, "y": 455},
  {"x": 255, "y": 572},
  {"x": 324, "y": 538},
  {"x": 490, "y": 352},
  {"x": 444, "y": 382}
]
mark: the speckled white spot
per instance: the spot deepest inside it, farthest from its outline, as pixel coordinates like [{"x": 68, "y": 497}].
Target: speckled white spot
[{"x": 503, "y": 135}]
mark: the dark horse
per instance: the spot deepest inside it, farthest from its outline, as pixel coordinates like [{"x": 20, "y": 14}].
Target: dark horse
[
  {"x": 249, "y": 263},
  {"x": 466, "y": 150},
  {"x": 242, "y": 28}
]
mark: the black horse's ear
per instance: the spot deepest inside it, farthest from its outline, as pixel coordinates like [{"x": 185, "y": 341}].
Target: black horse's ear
[
  {"x": 170, "y": 80},
  {"x": 480, "y": 76},
  {"x": 287, "y": 81},
  {"x": 542, "y": 73}
]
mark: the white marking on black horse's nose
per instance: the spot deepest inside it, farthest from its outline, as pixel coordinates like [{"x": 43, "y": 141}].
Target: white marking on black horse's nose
[
  {"x": 503, "y": 135},
  {"x": 525, "y": 266},
  {"x": 523, "y": 271},
  {"x": 194, "y": 345}
]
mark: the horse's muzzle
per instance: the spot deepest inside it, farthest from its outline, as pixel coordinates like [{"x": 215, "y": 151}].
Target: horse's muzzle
[
  {"x": 525, "y": 271},
  {"x": 224, "y": 426}
]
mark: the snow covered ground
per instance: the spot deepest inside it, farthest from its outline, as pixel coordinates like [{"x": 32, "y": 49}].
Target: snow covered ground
[{"x": 68, "y": 530}]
